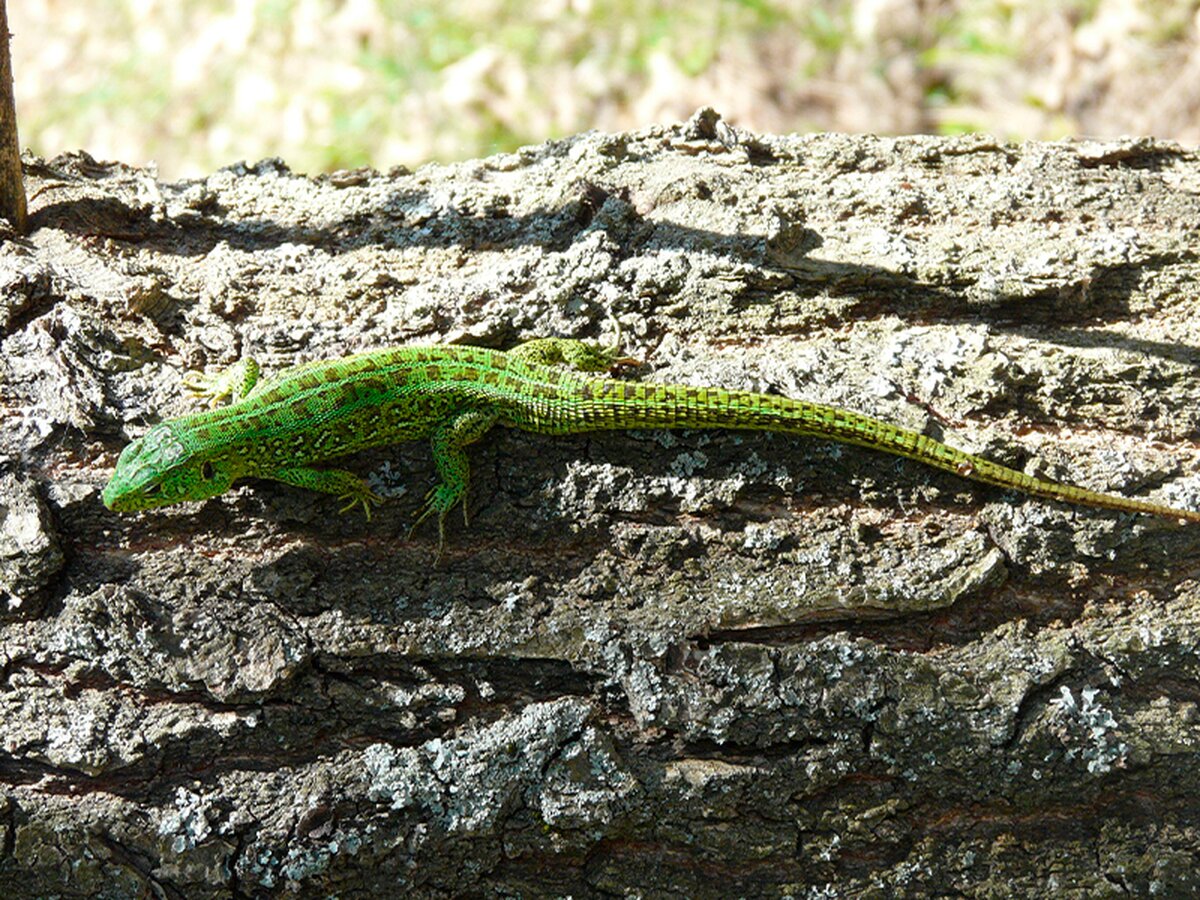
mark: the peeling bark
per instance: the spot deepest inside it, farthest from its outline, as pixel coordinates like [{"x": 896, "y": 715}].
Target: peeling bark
[{"x": 665, "y": 663}]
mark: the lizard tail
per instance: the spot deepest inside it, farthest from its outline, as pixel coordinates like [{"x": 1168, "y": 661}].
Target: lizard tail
[{"x": 606, "y": 404}]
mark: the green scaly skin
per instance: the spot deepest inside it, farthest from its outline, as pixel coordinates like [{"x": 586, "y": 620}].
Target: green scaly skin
[{"x": 452, "y": 395}]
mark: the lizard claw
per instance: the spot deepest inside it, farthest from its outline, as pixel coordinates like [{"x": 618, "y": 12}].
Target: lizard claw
[
  {"x": 206, "y": 387},
  {"x": 440, "y": 499},
  {"x": 232, "y": 383},
  {"x": 367, "y": 497}
]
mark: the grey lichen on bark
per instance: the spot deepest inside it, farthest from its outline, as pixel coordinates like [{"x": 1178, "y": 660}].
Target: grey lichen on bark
[
  {"x": 660, "y": 663},
  {"x": 12, "y": 182}
]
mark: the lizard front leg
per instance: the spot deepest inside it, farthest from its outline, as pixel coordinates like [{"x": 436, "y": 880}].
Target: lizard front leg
[
  {"x": 235, "y": 382},
  {"x": 342, "y": 484},
  {"x": 454, "y": 469}
]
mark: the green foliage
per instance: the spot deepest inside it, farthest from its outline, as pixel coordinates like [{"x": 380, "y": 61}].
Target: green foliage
[{"x": 200, "y": 83}]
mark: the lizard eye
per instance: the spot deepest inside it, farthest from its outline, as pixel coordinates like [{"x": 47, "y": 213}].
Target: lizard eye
[
  {"x": 151, "y": 489},
  {"x": 207, "y": 472}
]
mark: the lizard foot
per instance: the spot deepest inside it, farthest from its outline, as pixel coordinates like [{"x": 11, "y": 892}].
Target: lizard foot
[
  {"x": 206, "y": 387},
  {"x": 440, "y": 499},
  {"x": 363, "y": 495},
  {"x": 234, "y": 383}
]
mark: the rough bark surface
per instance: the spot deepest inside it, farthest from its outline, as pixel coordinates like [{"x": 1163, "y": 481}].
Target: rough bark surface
[{"x": 661, "y": 664}]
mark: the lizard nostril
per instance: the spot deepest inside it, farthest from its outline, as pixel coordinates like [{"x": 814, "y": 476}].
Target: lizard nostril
[{"x": 207, "y": 472}]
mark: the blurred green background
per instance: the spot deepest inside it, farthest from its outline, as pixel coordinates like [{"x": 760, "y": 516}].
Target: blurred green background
[{"x": 327, "y": 84}]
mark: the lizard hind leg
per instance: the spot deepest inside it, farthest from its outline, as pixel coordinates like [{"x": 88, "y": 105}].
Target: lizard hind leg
[
  {"x": 582, "y": 356},
  {"x": 454, "y": 469}
]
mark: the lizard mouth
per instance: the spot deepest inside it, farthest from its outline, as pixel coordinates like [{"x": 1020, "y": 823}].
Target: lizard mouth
[
  {"x": 128, "y": 501},
  {"x": 110, "y": 498},
  {"x": 113, "y": 500}
]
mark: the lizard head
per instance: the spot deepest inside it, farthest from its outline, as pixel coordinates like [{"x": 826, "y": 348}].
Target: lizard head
[{"x": 158, "y": 470}]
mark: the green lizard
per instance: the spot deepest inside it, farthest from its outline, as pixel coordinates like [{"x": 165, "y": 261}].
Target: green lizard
[{"x": 279, "y": 428}]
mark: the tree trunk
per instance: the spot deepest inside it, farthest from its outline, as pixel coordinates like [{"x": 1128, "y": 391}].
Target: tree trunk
[
  {"x": 668, "y": 664},
  {"x": 12, "y": 183}
]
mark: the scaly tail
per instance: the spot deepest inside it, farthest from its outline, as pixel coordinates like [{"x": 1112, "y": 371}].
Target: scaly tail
[{"x": 605, "y": 404}]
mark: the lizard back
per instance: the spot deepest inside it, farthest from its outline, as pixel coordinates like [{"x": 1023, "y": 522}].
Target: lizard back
[{"x": 320, "y": 410}]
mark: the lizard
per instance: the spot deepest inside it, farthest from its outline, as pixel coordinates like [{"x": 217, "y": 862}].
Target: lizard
[{"x": 279, "y": 428}]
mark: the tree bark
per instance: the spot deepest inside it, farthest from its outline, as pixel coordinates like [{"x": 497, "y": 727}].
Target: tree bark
[
  {"x": 669, "y": 664},
  {"x": 12, "y": 182}
]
